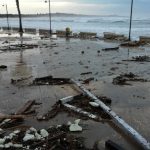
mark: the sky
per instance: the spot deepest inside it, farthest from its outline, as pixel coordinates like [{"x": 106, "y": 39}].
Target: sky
[{"x": 89, "y": 7}]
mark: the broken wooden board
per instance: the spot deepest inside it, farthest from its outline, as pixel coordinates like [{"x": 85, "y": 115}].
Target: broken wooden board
[
  {"x": 12, "y": 117},
  {"x": 49, "y": 80},
  {"x": 26, "y": 107}
]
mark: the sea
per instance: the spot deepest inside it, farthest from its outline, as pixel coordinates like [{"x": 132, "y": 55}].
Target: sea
[{"x": 80, "y": 23}]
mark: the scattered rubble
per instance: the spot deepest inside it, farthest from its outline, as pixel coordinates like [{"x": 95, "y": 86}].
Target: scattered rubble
[
  {"x": 17, "y": 47},
  {"x": 124, "y": 78},
  {"x": 87, "y": 81},
  {"x": 144, "y": 58},
  {"x": 144, "y": 39},
  {"x": 141, "y": 58},
  {"x": 78, "y": 101},
  {"x": 49, "y": 80},
  {"x": 55, "y": 137}
]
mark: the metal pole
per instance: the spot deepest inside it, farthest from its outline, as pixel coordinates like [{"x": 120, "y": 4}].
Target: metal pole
[
  {"x": 7, "y": 17},
  {"x": 130, "y": 20},
  {"x": 50, "y": 32},
  {"x": 119, "y": 122}
]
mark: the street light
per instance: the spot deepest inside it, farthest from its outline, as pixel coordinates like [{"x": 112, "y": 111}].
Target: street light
[
  {"x": 50, "y": 24},
  {"x": 130, "y": 20},
  {"x": 8, "y": 27}
]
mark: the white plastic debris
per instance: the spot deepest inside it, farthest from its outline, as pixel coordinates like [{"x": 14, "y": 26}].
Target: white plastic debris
[
  {"x": 11, "y": 135},
  {"x": 94, "y": 104},
  {"x": 2, "y": 141},
  {"x": 69, "y": 123},
  {"x": 1, "y": 146},
  {"x": 75, "y": 127},
  {"x": 33, "y": 129},
  {"x": 5, "y": 121},
  {"x": 17, "y": 145},
  {"x": 8, "y": 145},
  {"x": 7, "y": 137},
  {"x": 58, "y": 126},
  {"x": 16, "y": 131},
  {"x": 38, "y": 136},
  {"x": 28, "y": 137},
  {"x": 44, "y": 133},
  {"x": 77, "y": 121}
]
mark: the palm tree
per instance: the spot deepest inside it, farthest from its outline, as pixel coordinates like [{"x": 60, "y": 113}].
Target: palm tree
[
  {"x": 20, "y": 19},
  {"x": 20, "y": 22}
]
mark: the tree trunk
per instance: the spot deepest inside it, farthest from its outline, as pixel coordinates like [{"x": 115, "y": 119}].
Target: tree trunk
[{"x": 20, "y": 18}]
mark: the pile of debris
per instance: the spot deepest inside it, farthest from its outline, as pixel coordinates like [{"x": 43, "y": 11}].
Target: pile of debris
[
  {"x": 55, "y": 137},
  {"x": 141, "y": 58},
  {"x": 59, "y": 137},
  {"x": 131, "y": 44},
  {"x": 124, "y": 78},
  {"x": 84, "y": 102},
  {"x": 16, "y": 47},
  {"x": 79, "y": 102},
  {"x": 144, "y": 58},
  {"x": 49, "y": 80},
  {"x": 114, "y": 36}
]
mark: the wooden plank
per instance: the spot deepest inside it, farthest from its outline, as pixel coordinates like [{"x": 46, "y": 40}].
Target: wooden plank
[
  {"x": 12, "y": 117},
  {"x": 66, "y": 99},
  {"x": 26, "y": 107},
  {"x": 80, "y": 111},
  {"x": 126, "y": 128}
]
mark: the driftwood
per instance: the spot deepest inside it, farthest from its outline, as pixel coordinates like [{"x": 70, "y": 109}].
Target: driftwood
[
  {"x": 17, "y": 120},
  {"x": 124, "y": 78},
  {"x": 49, "y": 80},
  {"x": 12, "y": 117},
  {"x": 110, "y": 145},
  {"x": 26, "y": 107},
  {"x": 85, "y": 73},
  {"x": 50, "y": 139},
  {"x": 111, "y": 49}
]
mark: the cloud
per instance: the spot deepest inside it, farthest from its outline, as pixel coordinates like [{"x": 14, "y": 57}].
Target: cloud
[{"x": 120, "y": 7}]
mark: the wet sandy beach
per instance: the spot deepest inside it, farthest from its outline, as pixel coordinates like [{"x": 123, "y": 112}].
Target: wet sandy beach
[{"x": 66, "y": 60}]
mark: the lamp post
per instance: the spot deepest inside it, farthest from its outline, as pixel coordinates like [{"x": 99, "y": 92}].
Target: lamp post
[
  {"x": 130, "y": 20},
  {"x": 8, "y": 27},
  {"x": 50, "y": 21}
]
